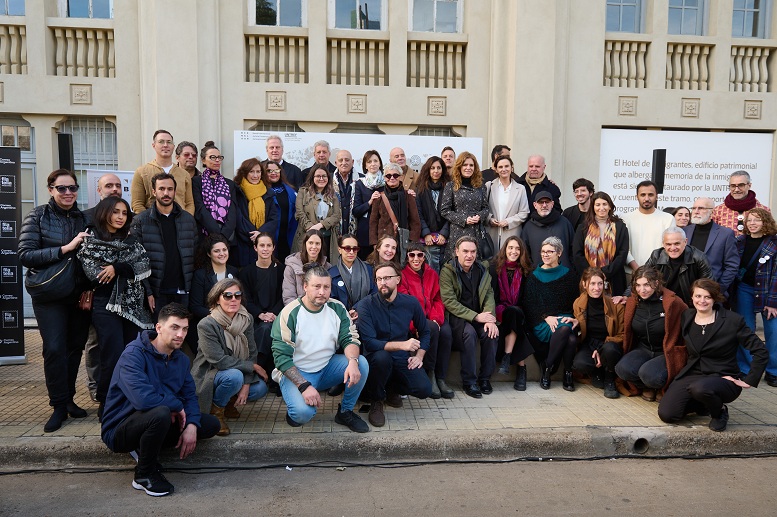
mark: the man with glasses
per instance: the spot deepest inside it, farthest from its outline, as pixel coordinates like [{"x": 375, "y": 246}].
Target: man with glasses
[
  {"x": 293, "y": 173},
  {"x": 717, "y": 242},
  {"x": 396, "y": 358},
  {"x": 731, "y": 213},
  {"x": 305, "y": 338},
  {"x": 141, "y": 189},
  {"x": 546, "y": 222},
  {"x": 186, "y": 157}
]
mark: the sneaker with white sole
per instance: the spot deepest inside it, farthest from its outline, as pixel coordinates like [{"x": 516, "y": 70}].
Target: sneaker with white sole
[{"x": 154, "y": 484}]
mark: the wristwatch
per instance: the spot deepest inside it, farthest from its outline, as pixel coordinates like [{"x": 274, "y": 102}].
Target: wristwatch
[{"x": 302, "y": 387}]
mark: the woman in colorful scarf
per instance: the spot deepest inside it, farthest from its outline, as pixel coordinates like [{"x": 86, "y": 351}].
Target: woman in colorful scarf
[
  {"x": 256, "y": 203},
  {"x": 435, "y": 229},
  {"x": 368, "y": 190},
  {"x": 215, "y": 206},
  {"x": 508, "y": 279},
  {"x": 603, "y": 241},
  {"x": 225, "y": 370},
  {"x": 116, "y": 264},
  {"x": 318, "y": 209}
]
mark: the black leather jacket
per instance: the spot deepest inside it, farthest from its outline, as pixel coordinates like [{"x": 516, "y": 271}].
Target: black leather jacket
[{"x": 695, "y": 266}]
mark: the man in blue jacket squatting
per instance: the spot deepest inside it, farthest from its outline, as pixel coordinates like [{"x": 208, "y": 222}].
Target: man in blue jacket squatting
[{"x": 152, "y": 403}]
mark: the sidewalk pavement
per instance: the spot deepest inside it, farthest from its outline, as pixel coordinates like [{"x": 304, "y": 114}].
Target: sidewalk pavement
[{"x": 504, "y": 425}]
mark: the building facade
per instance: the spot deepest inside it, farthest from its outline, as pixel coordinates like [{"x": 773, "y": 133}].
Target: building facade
[{"x": 542, "y": 76}]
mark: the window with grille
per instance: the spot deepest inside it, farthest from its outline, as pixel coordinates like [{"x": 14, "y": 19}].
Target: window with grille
[
  {"x": 18, "y": 133},
  {"x": 276, "y": 127},
  {"x": 94, "y": 148},
  {"x": 434, "y": 131},
  {"x": 624, "y": 15}
]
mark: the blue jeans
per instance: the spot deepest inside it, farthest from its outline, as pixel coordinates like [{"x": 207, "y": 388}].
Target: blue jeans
[
  {"x": 435, "y": 255},
  {"x": 746, "y": 307},
  {"x": 330, "y": 375},
  {"x": 643, "y": 368},
  {"x": 228, "y": 383}
]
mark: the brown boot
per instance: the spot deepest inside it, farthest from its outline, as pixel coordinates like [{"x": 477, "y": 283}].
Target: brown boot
[
  {"x": 218, "y": 412},
  {"x": 230, "y": 411}
]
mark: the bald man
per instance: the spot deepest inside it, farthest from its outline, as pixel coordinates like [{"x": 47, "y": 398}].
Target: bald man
[
  {"x": 535, "y": 181},
  {"x": 397, "y": 155}
]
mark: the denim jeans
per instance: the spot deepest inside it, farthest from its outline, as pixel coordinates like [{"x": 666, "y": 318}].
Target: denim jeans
[
  {"x": 228, "y": 382},
  {"x": 746, "y": 307},
  {"x": 330, "y": 375},
  {"x": 643, "y": 368},
  {"x": 435, "y": 255}
]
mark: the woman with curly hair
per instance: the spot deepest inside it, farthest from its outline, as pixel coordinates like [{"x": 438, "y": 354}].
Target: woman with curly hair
[{"x": 435, "y": 229}]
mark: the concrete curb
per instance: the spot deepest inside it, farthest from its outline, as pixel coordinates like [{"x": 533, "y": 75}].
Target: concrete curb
[{"x": 388, "y": 447}]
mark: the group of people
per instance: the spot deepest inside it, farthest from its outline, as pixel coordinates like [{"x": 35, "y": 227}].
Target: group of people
[{"x": 363, "y": 283}]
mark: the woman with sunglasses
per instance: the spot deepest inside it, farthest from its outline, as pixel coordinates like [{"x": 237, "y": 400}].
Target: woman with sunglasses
[
  {"x": 419, "y": 279},
  {"x": 225, "y": 370},
  {"x": 116, "y": 264},
  {"x": 293, "y": 274},
  {"x": 215, "y": 200},
  {"x": 464, "y": 203},
  {"x": 352, "y": 278},
  {"x": 50, "y": 236},
  {"x": 509, "y": 272},
  {"x": 385, "y": 251},
  {"x": 435, "y": 229},
  {"x": 395, "y": 204},
  {"x": 257, "y": 208},
  {"x": 285, "y": 198},
  {"x": 317, "y": 208},
  {"x": 368, "y": 190},
  {"x": 211, "y": 263}
]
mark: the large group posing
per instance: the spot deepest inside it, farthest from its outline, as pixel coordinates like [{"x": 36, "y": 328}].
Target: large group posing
[{"x": 363, "y": 283}]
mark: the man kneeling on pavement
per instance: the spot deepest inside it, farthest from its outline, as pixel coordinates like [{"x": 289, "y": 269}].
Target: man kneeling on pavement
[
  {"x": 396, "y": 359},
  {"x": 306, "y": 336},
  {"x": 152, "y": 402}
]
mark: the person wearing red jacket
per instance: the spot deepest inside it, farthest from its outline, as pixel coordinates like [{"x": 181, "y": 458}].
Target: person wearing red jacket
[{"x": 422, "y": 281}]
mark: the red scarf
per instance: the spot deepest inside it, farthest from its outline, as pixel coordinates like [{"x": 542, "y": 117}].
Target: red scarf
[{"x": 740, "y": 205}]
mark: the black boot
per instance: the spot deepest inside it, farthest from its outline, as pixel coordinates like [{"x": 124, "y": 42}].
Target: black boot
[
  {"x": 545, "y": 379},
  {"x": 569, "y": 384},
  {"x": 610, "y": 391},
  {"x": 520, "y": 379},
  {"x": 56, "y": 419}
]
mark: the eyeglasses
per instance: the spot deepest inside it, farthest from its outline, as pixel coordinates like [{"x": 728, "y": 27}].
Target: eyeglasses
[
  {"x": 236, "y": 295},
  {"x": 188, "y": 155},
  {"x": 415, "y": 254},
  {"x": 317, "y": 177},
  {"x": 391, "y": 176},
  {"x": 215, "y": 158},
  {"x": 384, "y": 279},
  {"x": 737, "y": 186},
  {"x": 544, "y": 202},
  {"x": 64, "y": 188},
  {"x": 701, "y": 208},
  {"x": 547, "y": 252},
  {"x": 273, "y": 171},
  {"x": 350, "y": 249},
  {"x": 164, "y": 142}
]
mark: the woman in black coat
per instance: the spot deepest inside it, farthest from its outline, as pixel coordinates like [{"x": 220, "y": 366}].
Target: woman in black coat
[
  {"x": 603, "y": 241},
  {"x": 711, "y": 377},
  {"x": 368, "y": 191},
  {"x": 49, "y": 237},
  {"x": 258, "y": 211}
]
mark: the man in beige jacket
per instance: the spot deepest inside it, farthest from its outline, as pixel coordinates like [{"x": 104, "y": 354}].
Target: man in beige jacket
[{"x": 141, "y": 190}]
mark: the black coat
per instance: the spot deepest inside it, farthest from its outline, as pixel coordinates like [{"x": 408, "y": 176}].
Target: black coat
[
  {"x": 148, "y": 231},
  {"x": 246, "y": 253},
  {"x": 231, "y": 225},
  {"x": 293, "y": 174},
  {"x": 614, "y": 271},
  {"x": 716, "y": 353},
  {"x": 546, "y": 185},
  {"x": 361, "y": 211},
  {"x": 694, "y": 266},
  {"x": 202, "y": 282}
]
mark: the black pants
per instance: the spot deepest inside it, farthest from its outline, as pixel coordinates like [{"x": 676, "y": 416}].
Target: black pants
[
  {"x": 389, "y": 373},
  {"x": 438, "y": 357},
  {"x": 148, "y": 431},
  {"x": 63, "y": 328},
  {"x": 694, "y": 392},
  {"x": 560, "y": 349},
  {"x": 113, "y": 334},
  {"x": 264, "y": 345},
  {"x": 465, "y": 339},
  {"x": 162, "y": 299},
  {"x": 609, "y": 353},
  {"x": 514, "y": 320}
]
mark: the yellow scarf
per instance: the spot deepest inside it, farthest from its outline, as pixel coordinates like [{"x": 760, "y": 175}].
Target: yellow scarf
[
  {"x": 254, "y": 195},
  {"x": 532, "y": 182}
]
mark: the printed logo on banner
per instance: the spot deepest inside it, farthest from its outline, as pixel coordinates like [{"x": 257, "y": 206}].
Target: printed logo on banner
[
  {"x": 8, "y": 274},
  {"x": 7, "y": 184},
  {"x": 10, "y": 319},
  {"x": 6, "y": 206},
  {"x": 7, "y": 229}
]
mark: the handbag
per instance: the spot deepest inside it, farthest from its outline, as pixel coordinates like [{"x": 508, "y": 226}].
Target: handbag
[
  {"x": 85, "y": 302},
  {"x": 403, "y": 234},
  {"x": 54, "y": 282},
  {"x": 485, "y": 243}
]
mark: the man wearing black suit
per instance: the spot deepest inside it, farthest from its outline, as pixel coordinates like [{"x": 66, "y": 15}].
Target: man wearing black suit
[
  {"x": 321, "y": 153},
  {"x": 275, "y": 153}
]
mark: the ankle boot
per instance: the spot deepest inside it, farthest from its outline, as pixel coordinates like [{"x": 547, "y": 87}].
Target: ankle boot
[
  {"x": 218, "y": 412},
  {"x": 55, "y": 421},
  {"x": 504, "y": 367},
  {"x": 610, "y": 391},
  {"x": 435, "y": 389},
  {"x": 569, "y": 384},
  {"x": 230, "y": 411},
  {"x": 545, "y": 379},
  {"x": 520, "y": 379}
]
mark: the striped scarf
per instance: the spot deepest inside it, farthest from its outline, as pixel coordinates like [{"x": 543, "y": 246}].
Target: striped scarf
[{"x": 600, "y": 248}]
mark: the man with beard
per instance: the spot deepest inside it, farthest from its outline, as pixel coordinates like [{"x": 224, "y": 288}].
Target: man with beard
[
  {"x": 583, "y": 189},
  {"x": 535, "y": 180},
  {"x": 293, "y": 173},
  {"x": 719, "y": 244},
  {"x": 169, "y": 234},
  {"x": 646, "y": 225},
  {"x": 396, "y": 359},
  {"x": 141, "y": 189},
  {"x": 546, "y": 222},
  {"x": 731, "y": 213},
  {"x": 679, "y": 263},
  {"x": 186, "y": 157}
]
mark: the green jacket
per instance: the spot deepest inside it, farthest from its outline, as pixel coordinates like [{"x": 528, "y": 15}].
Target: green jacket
[{"x": 450, "y": 290}]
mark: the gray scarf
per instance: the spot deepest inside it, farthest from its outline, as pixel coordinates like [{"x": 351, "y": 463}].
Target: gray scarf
[{"x": 357, "y": 281}]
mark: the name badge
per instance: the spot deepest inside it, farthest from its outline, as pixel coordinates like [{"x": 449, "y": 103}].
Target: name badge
[{"x": 340, "y": 283}]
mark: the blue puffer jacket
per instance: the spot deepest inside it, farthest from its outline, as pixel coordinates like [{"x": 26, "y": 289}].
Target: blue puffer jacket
[{"x": 144, "y": 379}]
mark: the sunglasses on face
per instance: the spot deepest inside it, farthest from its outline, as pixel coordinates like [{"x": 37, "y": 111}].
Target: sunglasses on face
[
  {"x": 350, "y": 249},
  {"x": 64, "y": 188},
  {"x": 236, "y": 295},
  {"x": 391, "y": 176},
  {"x": 415, "y": 254}
]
